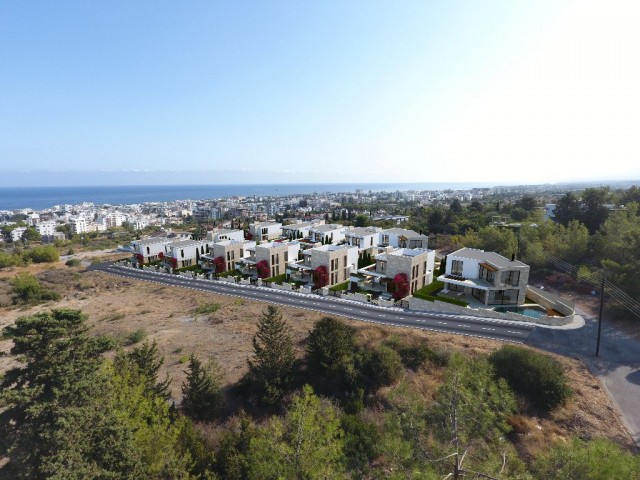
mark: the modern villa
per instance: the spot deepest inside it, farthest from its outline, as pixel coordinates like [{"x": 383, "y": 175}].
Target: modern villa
[{"x": 487, "y": 276}]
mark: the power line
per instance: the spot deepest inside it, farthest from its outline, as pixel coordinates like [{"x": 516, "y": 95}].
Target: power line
[{"x": 613, "y": 290}]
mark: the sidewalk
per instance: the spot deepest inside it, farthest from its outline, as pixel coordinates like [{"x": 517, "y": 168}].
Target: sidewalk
[{"x": 617, "y": 366}]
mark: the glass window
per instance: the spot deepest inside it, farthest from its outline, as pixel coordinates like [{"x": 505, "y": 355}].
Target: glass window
[{"x": 456, "y": 267}]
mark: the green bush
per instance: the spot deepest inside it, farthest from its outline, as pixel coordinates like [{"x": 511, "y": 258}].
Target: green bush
[
  {"x": 73, "y": 262},
  {"x": 361, "y": 443},
  {"x": 9, "y": 260},
  {"x": 48, "y": 254},
  {"x": 206, "y": 308},
  {"x": 277, "y": 279},
  {"x": 539, "y": 378},
  {"x": 136, "y": 337},
  {"x": 597, "y": 459},
  {"x": 340, "y": 287},
  {"x": 381, "y": 367},
  {"x": 330, "y": 346},
  {"x": 27, "y": 290},
  {"x": 412, "y": 356}
]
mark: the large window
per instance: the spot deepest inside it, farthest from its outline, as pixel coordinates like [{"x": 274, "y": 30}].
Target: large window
[
  {"x": 456, "y": 267},
  {"x": 511, "y": 277},
  {"x": 486, "y": 274},
  {"x": 504, "y": 297}
]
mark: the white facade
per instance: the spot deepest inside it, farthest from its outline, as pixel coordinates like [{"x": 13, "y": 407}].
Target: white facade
[
  {"x": 217, "y": 236},
  {"x": 331, "y": 233},
  {"x": 299, "y": 230},
  {"x": 402, "y": 238},
  {"x": 78, "y": 225},
  {"x": 364, "y": 238},
  {"x": 264, "y": 232},
  {"x": 16, "y": 233},
  {"x": 149, "y": 249},
  {"x": 185, "y": 252},
  {"x": 46, "y": 229},
  {"x": 488, "y": 276}
]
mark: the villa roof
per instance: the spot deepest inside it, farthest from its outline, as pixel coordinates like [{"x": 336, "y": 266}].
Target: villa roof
[{"x": 493, "y": 258}]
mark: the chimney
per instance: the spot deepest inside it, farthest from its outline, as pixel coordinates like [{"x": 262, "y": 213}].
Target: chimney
[{"x": 513, "y": 257}]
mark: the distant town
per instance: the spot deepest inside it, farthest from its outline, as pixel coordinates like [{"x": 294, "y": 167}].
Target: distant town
[{"x": 54, "y": 222}]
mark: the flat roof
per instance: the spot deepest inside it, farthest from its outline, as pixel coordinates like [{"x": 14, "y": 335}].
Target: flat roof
[
  {"x": 150, "y": 241},
  {"x": 362, "y": 231},
  {"x": 187, "y": 243},
  {"x": 327, "y": 227}
]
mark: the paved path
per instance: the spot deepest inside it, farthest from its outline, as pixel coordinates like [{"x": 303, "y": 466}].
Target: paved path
[{"x": 617, "y": 366}]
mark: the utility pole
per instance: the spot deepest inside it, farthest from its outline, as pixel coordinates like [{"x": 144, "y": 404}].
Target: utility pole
[{"x": 600, "y": 316}]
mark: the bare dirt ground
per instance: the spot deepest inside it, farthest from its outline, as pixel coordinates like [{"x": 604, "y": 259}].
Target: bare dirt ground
[
  {"x": 590, "y": 304},
  {"x": 117, "y": 307}
]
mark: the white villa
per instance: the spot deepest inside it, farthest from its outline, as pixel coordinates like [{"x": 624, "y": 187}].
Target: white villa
[{"x": 488, "y": 276}]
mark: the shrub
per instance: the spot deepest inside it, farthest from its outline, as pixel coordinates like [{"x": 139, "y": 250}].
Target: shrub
[
  {"x": 263, "y": 269},
  {"x": 206, "y": 308},
  {"x": 46, "y": 254},
  {"x": 381, "y": 366},
  {"x": 277, "y": 279},
  {"x": 401, "y": 286},
  {"x": 27, "y": 289},
  {"x": 136, "y": 337},
  {"x": 339, "y": 287},
  {"x": 320, "y": 277},
  {"x": 330, "y": 346},
  {"x": 73, "y": 262},
  {"x": 593, "y": 460},
  {"x": 9, "y": 260},
  {"x": 537, "y": 377},
  {"x": 412, "y": 356}
]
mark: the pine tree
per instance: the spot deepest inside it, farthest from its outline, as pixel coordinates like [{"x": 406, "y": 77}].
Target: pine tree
[
  {"x": 272, "y": 363},
  {"x": 145, "y": 362},
  {"x": 306, "y": 444},
  {"x": 54, "y": 403},
  {"x": 202, "y": 396}
]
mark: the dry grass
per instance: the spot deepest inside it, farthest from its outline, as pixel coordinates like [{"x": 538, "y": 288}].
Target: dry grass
[{"x": 118, "y": 307}]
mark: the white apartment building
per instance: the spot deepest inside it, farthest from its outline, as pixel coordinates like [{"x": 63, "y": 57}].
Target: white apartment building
[
  {"x": 78, "y": 225},
  {"x": 16, "y": 233},
  {"x": 47, "y": 228}
]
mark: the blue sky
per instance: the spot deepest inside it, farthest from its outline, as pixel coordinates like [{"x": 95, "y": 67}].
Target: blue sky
[{"x": 303, "y": 92}]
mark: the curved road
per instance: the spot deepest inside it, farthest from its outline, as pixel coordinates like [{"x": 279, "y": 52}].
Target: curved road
[{"x": 474, "y": 326}]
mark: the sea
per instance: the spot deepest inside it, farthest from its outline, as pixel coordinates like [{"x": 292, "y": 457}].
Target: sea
[{"x": 41, "y": 198}]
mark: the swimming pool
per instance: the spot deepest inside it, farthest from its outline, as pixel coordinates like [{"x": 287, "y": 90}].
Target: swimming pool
[{"x": 533, "y": 311}]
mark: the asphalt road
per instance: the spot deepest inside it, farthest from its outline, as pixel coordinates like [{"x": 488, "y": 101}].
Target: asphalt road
[
  {"x": 618, "y": 365},
  {"x": 458, "y": 324}
]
